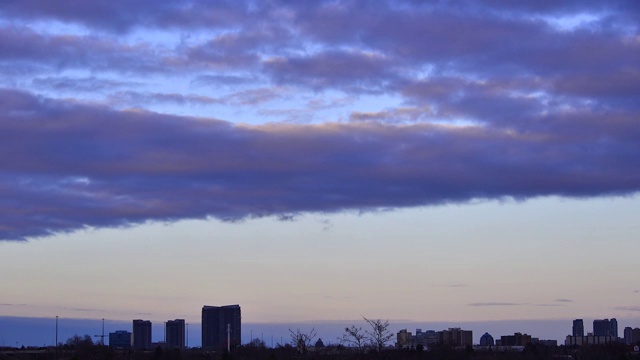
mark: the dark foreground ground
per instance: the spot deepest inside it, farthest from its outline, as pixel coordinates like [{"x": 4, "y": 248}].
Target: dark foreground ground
[{"x": 98, "y": 352}]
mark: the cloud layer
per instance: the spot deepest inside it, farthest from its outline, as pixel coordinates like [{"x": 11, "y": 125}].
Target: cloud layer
[{"x": 108, "y": 113}]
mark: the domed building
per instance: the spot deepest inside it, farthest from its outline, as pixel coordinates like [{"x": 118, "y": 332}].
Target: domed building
[{"x": 486, "y": 340}]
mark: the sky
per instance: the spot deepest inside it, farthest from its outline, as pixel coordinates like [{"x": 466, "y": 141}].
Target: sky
[{"x": 467, "y": 162}]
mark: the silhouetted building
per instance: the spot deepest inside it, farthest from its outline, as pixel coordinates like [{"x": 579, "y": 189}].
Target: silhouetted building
[
  {"x": 175, "y": 333},
  {"x": 631, "y": 336},
  {"x": 589, "y": 339},
  {"x": 426, "y": 338},
  {"x": 613, "y": 327},
  {"x": 141, "y": 334},
  {"x": 516, "y": 339},
  {"x": 578, "y": 327},
  {"x": 605, "y": 327},
  {"x": 486, "y": 340},
  {"x": 628, "y": 335},
  {"x": 120, "y": 339},
  {"x": 404, "y": 339},
  {"x": 215, "y": 320},
  {"x": 456, "y": 337},
  {"x": 550, "y": 343}
]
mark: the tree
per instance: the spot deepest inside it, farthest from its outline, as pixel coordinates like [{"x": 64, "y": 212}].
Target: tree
[
  {"x": 77, "y": 341},
  {"x": 257, "y": 342},
  {"x": 354, "y": 336},
  {"x": 301, "y": 340},
  {"x": 379, "y": 334}
]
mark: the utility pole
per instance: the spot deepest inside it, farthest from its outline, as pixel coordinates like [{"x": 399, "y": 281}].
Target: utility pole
[
  {"x": 187, "y": 345},
  {"x": 101, "y": 336},
  {"x": 228, "y": 337},
  {"x": 56, "y": 348}
]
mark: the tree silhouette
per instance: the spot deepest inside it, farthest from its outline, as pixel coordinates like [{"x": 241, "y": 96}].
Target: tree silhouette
[
  {"x": 301, "y": 340},
  {"x": 379, "y": 334},
  {"x": 354, "y": 336}
]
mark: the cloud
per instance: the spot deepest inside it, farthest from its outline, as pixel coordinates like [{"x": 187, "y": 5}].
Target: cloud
[
  {"x": 628, "y": 308},
  {"x": 391, "y": 104},
  {"x": 354, "y": 71},
  {"x": 66, "y": 166},
  {"x": 563, "y": 300},
  {"x": 495, "y": 304}
]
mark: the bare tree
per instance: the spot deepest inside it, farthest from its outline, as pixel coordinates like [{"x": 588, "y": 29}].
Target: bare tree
[
  {"x": 301, "y": 340},
  {"x": 379, "y": 334},
  {"x": 355, "y": 337}
]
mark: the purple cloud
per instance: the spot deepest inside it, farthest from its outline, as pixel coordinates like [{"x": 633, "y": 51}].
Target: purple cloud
[
  {"x": 66, "y": 166},
  {"x": 488, "y": 101}
]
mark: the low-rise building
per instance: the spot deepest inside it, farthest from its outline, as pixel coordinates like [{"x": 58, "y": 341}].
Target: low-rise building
[{"x": 120, "y": 339}]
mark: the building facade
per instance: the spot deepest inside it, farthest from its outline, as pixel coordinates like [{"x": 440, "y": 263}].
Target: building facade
[
  {"x": 605, "y": 327},
  {"x": 456, "y": 337},
  {"x": 588, "y": 340},
  {"x": 141, "y": 334},
  {"x": 578, "y": 327},
  {"x": 517, "y": 339},
  {"x": 631, "y": 336},
  {"x": 120, "y": 339},
  {"x": 404, "y": 340},
  {"x": 217, "y": 321},
  {"x": 175, "y": 333}
]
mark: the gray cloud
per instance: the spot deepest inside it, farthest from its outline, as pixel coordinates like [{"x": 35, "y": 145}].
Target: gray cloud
[{"x": 495, "y": 304}]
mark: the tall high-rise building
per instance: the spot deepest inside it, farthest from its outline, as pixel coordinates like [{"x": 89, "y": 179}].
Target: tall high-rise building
[
  {"x": 141, "y": 334},
  {"x": 628, "y": 335},
  {"x": 605, "y": 327},
  {"x": 578, "y": 327},
  {"x": 175, "y": 333},
  {"x": 215, "y": 321},
  {"x": 613, "y": 327}
]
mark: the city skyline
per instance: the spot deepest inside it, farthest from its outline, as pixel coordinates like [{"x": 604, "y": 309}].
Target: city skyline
[
  {"x": 277, "y": 334},
  {"x": 321, "y": 161}
]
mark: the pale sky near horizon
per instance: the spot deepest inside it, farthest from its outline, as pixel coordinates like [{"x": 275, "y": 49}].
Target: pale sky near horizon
[{"x": 320, "y": 160}]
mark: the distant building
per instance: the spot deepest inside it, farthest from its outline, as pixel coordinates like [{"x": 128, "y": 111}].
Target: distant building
[
  {"x": 589, "y": 339},
  {"x": 605, "y": 327},
  {"x": 456, "y": 337},
  {"x": 120, "y": 339},
  {"x": 175, "y": 333},
  {"x": 141, "y": 334},
  {"x": 613, "y": 327},
  {"x": 631, "y": 336},
  {"x": 578, "y": 327},
  {"x": 628, "y": 335},
  {"x": 517, "y": 339},
  {"x": 486, "y": 340},
  {"x": 550, "y": 343},
  {"x": 425, "y": 338},
  {"x": 215, "y": 321},
  {"x": 404, "y": 339}
]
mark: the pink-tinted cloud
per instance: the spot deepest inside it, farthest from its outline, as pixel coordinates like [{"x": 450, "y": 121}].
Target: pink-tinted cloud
[
  {"x": 546, "y": 110},
  {"x": 67, "y": 165}
]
